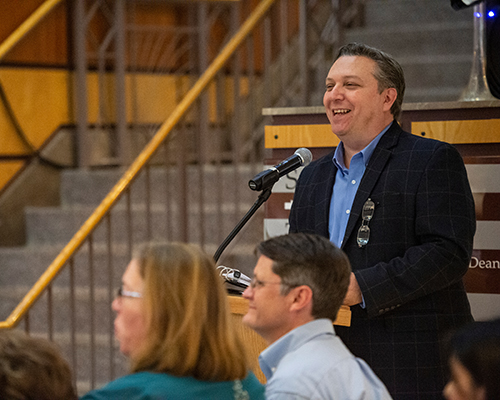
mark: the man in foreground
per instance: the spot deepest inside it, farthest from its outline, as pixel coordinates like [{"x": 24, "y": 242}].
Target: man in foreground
[{"x": 299, "y": 283}]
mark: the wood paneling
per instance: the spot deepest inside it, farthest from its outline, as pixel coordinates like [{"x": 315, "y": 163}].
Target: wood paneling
[
  {"x": 456, "y": 132},
  {"x": 39, "y": 100},
  {"x": 292, "y": 136},
  {"x": 46, "y": 44}
]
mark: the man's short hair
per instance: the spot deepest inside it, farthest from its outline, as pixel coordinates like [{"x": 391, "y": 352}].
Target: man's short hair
[
  {"x": 33, "y": 368},
  {"x": 314, "y": 261},
  {"x": 477, "y": 347},
  {"x": 389, "y": 73}
]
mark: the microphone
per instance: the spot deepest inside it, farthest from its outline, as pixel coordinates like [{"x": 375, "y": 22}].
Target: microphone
[
  {"x": 234, "y": 276},
  {"x": 269, "y": 177}
]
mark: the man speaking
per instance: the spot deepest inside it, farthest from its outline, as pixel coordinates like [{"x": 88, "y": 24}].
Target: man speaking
[{"x": 401, "y": 208}]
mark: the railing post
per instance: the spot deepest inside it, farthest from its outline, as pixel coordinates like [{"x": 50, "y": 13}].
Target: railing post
[
  {"x": 120, "y": 61},
  {"x": 80, "y": 85},
  {"x": 285, "y": 78},
  {"x": 203, "y": 122},
  {"x": 303, "y": 56}
]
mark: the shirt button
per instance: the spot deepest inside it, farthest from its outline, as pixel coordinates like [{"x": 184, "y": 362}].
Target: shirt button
[
  {"x": 347, "y": 211},
  {"x": 353, "y": 182}
]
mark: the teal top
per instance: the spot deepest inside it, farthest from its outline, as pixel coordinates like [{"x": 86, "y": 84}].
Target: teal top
[{"x": 159, "y": 386}]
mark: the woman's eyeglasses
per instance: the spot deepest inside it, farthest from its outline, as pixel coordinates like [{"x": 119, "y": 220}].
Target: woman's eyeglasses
[
  {"x": 127, "y": 293},
  {"x": 364, "y": 229}
]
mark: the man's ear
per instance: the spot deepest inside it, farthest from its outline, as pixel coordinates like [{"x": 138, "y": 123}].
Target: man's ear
[
  {"x": 391, "y": 95},
  {"x": 302, "y": 297}
]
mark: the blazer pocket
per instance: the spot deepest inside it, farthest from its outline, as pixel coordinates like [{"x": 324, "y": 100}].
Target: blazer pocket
[
  {"x": 387, "y": 217},
  {"x": 388, "y": 206},
  {"x": 424, "y": 322},
  {"x": 386, "y": 199}
]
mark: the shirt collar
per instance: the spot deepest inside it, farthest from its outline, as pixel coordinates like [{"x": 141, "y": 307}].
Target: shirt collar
[
  {"x": 366, "y": 153},
  {"x": 271, "y": 357}
]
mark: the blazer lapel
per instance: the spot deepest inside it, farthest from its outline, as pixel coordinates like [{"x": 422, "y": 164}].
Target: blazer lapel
[
  {"x": 372, "y": 173},
  {"x": 329, "y": 170}
]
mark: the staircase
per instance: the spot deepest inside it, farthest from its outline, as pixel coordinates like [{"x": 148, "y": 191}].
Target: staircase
[
  {"x": 432, "y": 41},
  {"x": 48, "y": 230}
]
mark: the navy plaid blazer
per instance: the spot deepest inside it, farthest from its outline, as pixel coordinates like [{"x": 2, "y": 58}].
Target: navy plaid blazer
[{"x": 410, "y": 272}]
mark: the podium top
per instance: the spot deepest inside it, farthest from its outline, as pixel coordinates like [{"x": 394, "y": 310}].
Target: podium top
[
  {"x": 239, "y": 306},
  {"x": 443, "y": 105}
]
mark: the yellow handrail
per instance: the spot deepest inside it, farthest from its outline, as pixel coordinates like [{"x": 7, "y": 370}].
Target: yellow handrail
[
  {"x": 89, "y": 225},
  {"x": 21, "y": 31}
]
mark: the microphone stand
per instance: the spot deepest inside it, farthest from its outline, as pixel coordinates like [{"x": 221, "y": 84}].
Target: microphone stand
[{"x": 263, "y": 196}]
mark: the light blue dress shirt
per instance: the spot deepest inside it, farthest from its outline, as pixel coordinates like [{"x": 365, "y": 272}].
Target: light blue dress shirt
[
  {"x": 311, "y": 362},
  {"x": 346, "y": 185}
]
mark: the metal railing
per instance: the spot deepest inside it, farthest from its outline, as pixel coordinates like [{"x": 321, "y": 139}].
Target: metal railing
[{"x": 189, "y": 183}]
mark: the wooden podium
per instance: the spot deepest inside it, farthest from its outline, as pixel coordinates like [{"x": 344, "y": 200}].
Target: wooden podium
[
  {"x": 473, "y": 127},
  {"x": 255, "y": 344}
]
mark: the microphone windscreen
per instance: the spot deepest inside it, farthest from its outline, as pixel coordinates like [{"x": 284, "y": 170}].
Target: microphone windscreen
[{"x": 305, "y": 154}]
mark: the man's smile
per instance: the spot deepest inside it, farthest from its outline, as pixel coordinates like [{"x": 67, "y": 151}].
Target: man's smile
[{"x": 341, "y": 111}]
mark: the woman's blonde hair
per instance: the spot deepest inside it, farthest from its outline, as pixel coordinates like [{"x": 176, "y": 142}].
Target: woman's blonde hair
[{"x": 190, "y": 330}]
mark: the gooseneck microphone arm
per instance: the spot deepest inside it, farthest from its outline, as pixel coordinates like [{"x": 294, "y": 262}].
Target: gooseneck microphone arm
[
  {"x": 260, "y": 200},
  {"x": 265, "y": 181}
]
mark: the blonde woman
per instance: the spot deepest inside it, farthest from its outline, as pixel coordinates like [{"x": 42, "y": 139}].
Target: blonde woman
[{"x": 173, "y": 323}]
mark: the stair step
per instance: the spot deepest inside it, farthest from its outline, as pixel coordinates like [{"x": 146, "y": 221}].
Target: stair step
[
  {"x": 381, "y": 12},
  {"x": 16, "y": 279},
  {"x": 50, "y": 225},
  {"x": 90, "y": 187},
  {"x": 413, "y": 40},
  {"x": 437, "y": 71},
  {"x": 61, "y": 314},
  {"x": 434, "y": 94},
  {"x": 435, "y": 51}
]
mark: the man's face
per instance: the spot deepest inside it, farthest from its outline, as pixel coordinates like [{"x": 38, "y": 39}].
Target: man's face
[
  {"x": 268, "y": 311},
  {"x": 352, "y": 101}
]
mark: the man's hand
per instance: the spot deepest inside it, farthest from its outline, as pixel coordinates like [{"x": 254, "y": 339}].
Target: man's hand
[{"x": 353, "y": 295}]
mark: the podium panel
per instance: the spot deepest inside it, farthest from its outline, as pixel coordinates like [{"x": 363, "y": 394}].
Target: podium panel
[{"x": 472, "y": 127}]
